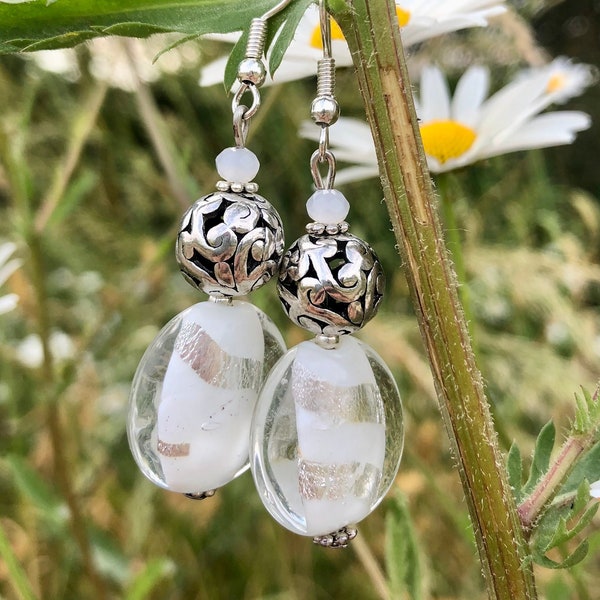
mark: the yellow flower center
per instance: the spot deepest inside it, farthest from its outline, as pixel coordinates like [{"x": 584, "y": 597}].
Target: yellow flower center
[
  {"x": 317, "y": 42},
  {"x": 403, "y": 16},
  {"x": 444, "y": 140},
  {"x": 555, "y": 83},
  {"x": 336, "y": 32}
]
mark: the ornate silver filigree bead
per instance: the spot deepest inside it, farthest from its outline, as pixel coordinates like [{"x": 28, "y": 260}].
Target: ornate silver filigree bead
[
  {"x": 230, "y": 243},
  {"x": 330, "y": 284}
]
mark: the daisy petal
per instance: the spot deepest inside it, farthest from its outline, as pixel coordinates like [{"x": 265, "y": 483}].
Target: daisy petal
[
  {"x": 469, "y": 95},
  {"x": 551, "y": 129},
  {"x": 435, "y": 97}
]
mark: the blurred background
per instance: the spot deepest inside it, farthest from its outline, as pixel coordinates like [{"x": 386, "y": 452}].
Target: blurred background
[{"x": 98, "y": 160}]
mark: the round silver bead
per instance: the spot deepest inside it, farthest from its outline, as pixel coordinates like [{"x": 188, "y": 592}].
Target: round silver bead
[
  {"x": 330, "y": 285},
  {"x": 325, "y": 110},
  {"x": 252, "y": 71},
  {"x": 230, "y": 244}
]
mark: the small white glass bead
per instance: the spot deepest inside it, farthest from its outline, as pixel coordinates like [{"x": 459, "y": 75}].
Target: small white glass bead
[
  {"x": 238, "y": 165},
  {"x": 328, "y": 206}
]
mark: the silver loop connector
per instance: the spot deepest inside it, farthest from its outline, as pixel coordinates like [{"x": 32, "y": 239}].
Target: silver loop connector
[
  {"x": 240, "y": 126},
  {"x": 237, "y": 100},
  {"x": 318, "y": 158}
]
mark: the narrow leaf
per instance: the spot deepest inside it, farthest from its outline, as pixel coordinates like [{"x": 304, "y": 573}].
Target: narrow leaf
[
  {"x": 153, "y": 573},
  {"x": 541, "y": 456},
  {"x": 74, "y": 195},
  {"x": 35, "y": 25},
  {"x": 514, "y": 465},
  {"x": 236, "y": 56},
  {"x": 16, "y": 575},
  {"x": 402, "y": 555},
  {"x": 286, "y": 34},
  {"x": 32, "y": 486}
]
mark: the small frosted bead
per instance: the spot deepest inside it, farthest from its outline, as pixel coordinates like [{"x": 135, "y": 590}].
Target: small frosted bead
[
  {"x": 238, "y": 165},
  {"x": 328, "y": 206}
]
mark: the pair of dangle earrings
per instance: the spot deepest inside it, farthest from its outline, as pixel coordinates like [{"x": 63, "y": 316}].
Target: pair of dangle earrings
[{"x": 321, "y": 424}]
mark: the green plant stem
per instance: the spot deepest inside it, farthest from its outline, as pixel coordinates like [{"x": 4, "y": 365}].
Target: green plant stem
[
  {"x": 534, "y": 506},
  {"x": 16, "y": 574},
  {"x": 371, "y": 30}
]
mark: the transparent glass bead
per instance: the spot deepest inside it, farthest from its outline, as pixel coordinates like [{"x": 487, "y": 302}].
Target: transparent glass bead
[
  {"x": 326, "y": 437},
  {"x": 193, "y": 395}
]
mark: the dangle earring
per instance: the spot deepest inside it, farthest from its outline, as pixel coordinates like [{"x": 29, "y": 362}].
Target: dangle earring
[
  {"x": 327, "y": 432},
  {"x": 196, "y": 386}
]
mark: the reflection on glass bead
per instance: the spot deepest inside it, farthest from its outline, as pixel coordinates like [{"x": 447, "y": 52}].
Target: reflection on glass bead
[
  {"x": 194, "y": 392},
  {"x": 326, "y": 437}
]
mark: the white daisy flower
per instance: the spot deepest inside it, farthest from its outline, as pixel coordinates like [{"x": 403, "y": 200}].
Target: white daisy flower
[
  {"x": 595, "y": 490},
  {"x": 467, "y": 127},
  {"x": 7, "y": 267},
  {"x": 419, "y": 20}
]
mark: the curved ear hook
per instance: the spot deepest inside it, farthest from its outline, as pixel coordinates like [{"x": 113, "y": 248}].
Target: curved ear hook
[
  {"x": 325, "y": 22},
  {"x": 273, "y": 11}
]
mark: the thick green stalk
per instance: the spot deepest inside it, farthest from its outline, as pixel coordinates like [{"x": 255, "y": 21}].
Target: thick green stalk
[{"x": 371, "y": 29}]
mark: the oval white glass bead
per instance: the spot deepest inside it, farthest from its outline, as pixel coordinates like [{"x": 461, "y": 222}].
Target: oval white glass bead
[
  {"x": 238, "y": 165},
  {"x": 193, "y": 395},
  {"x": 327, "y": 436},
  {"x": 329, "y": 207}
]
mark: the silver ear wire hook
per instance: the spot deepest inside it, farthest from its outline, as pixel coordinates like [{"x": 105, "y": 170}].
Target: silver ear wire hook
[
  {"x": 273, "y": 11},
  {"x": 251, "y": 70},
  {"x": 325, "y": 21},
  {"x": 325, "y": 109}
]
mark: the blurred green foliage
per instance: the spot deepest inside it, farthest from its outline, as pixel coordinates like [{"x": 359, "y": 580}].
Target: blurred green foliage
[{"x": 109, "y": 281}]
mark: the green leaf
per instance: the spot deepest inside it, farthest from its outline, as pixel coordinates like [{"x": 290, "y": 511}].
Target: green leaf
[
  {"x": 283, "y": 40},
  {"x": 53, "y": 510},
  {"x": 553, "y": 531},
  {"x": 541, "y": 456},
  {"x": 237, "y": 54},
  {"x": 514, "y": 465},
  {"x": 73, "y": 196},
  {"x": 285, "y": 23},
  {"x": 155, "y": 571},
  {"x": 37, "y": 25},
  {"x": 16, "y": 575},
  {"x": 575, "y": 557},
  {"x": 402, "y": 555}
]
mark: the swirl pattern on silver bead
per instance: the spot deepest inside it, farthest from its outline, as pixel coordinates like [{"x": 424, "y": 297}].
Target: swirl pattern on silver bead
[
  {"x": 330, "y": 284},
  {"x": 230, "y": 244}
]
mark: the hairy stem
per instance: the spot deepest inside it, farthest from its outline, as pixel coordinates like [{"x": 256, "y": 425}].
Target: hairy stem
[
  {"x": 582, "y": 438},
  {"x": 546, "y": 489},
  {"x": 372, "y": 32}
]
